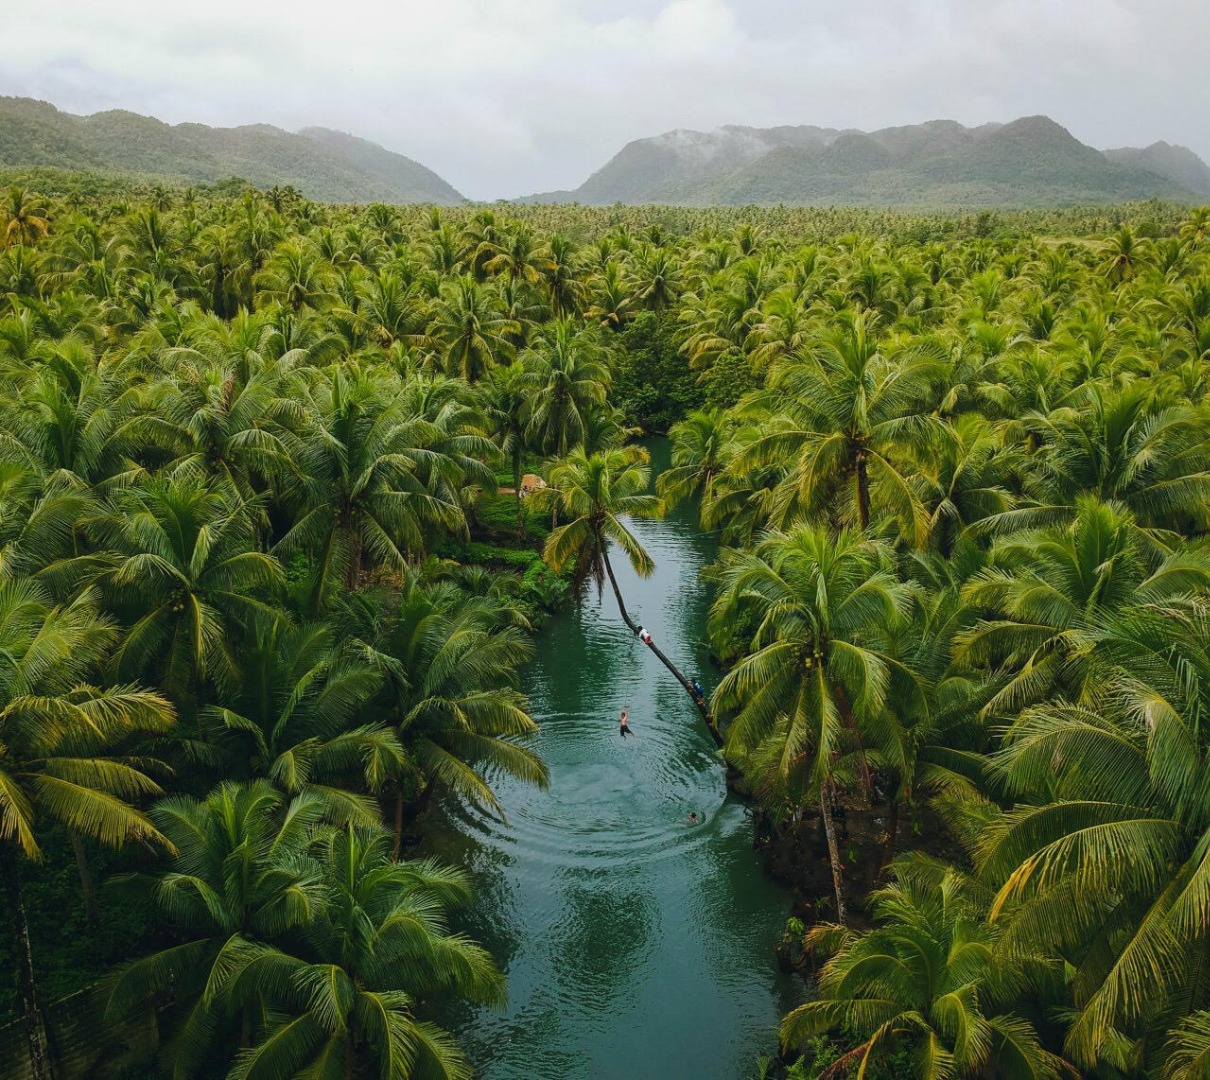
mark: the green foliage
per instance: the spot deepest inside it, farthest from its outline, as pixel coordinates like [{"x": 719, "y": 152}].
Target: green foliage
[
  {"x": 959, "y": 465},
  {"x": 653, "y": 385},
  {"x": 326, "y": 165}
]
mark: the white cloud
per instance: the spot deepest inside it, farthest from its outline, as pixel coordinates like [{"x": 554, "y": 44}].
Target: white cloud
[{"x": 507, "y": 96}]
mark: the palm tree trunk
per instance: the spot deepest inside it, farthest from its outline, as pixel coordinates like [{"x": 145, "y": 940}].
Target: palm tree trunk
[
  {"x": 850, "y": 722},
  {"x": 829, "y": 829},
  {"x": 892, "y": 833},
  {"x": 398, "y": 822},
  {"x": 34, "y": 1027},
  {"x": 711, "y": 726},
  {"x": 517, "y": 488},
  {"x": 86, "y": 885},
  {"x": 354, "y": 576},
  {"x": 863, "y": 491}
]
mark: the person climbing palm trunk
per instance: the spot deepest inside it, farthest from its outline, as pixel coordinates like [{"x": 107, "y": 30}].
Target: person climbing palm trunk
[{"x": 594, "y": 491}]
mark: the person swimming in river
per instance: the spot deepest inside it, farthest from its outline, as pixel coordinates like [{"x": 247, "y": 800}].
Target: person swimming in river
[
  {"x": 693, "y": 818},
  {"x": 624, "y": 724}
]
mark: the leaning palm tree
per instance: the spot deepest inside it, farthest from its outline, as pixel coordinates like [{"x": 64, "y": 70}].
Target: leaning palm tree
[
  {"x": 925, "y": 982},
  {"x": 595, "y": 491},
  {"x": 378, "y": 947},
  {"x": 817, "y": 671},
  {"x": 57, "y": 737}
]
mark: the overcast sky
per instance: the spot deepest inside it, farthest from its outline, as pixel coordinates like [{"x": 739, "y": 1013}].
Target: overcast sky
[{"x": 507, "y": 97}]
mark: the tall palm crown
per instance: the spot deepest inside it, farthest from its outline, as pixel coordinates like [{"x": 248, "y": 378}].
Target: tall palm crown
[
  {"x": 472, "y": 330},
  {"x": 296, "y": 718},
  {"x": 61, "y": 742},
  {"x": 57, "y": 730},
  {"x": 178, "y": 563},
  {"x": 25, "y": 219},
  {"x": 1047, "y": 593},
  {"x": 378, "y": 947},
  {"x": 450, "y": 695},
  {"x": 701, "y": 448},
  {"x": 816, "y": 677},
  {"x": 240, "y": 884},
  {"x": 1103, "y": 860},
  {"x": 925, "y": 981},
  {"x": 367, "y": 483},
  {"x": 567, "y": 379},
  {"x": 596, "y": 491},
  {"x": 844, "y": 418},
  {"x": 1131, "y": 446}
]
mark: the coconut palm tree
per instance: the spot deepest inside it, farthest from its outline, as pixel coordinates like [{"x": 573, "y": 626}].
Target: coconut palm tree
[
  {"x": 1190, "y": 1048},
  {"x": 25, "y": 219},
  {"x": 925, "y": 981},
  {"x": 1046, "y": 592},
  {"x": 359, "y": 490},
  {"x": 378, "y": 947},
  {"x": 471, "y": 329},
  {"x": 846, "y": 420},
  {"x": 566, "y": 376},
  {"x": 240, "y": 885},
  {"x": 1102, "y": 860},
  {"x": 817, "y": 669},
  {"x": 231, "y": 417},
  {"x": 295, "y": 719},
  {"x": 294, "y": 276},
  {"x": 506, "y": 401},
  {"x": 450, "y": 665},
  {"x": 1129, "y": 446},
  {"x": 176, "y": 561},
  {"x": 965, "y": 478},
  {"x": 701, "y": 449},
  {"x": 58, "y": 734},
  {"x": 564, "y": 285}
]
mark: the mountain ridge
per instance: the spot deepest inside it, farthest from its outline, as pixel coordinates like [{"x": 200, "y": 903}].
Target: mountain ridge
[
  {"x": 1031, "y": 161},
  {"x": 325, "y": 165}
]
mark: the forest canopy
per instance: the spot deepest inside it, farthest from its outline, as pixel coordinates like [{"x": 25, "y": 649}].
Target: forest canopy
[{"x": 266, "y": 581}]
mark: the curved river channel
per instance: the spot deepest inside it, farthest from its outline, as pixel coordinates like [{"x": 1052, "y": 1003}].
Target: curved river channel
[{"x": 636, "y": 946}]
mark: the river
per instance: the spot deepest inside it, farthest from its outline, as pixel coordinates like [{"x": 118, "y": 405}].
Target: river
[{"x": 636, "y": 945}]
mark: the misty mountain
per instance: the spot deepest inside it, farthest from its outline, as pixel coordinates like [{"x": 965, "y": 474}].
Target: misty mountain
[
  {"x": 1178, "y": 163},
  {"x": 1029, "y": 162},
  {"x": 325, "y": 165}
]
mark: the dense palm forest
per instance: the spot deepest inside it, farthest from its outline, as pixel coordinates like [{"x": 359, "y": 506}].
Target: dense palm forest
[{"x": 267, "y": 582}]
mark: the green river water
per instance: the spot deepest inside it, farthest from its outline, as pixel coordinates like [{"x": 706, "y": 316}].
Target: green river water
[{"x": 636, "y": 946}]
